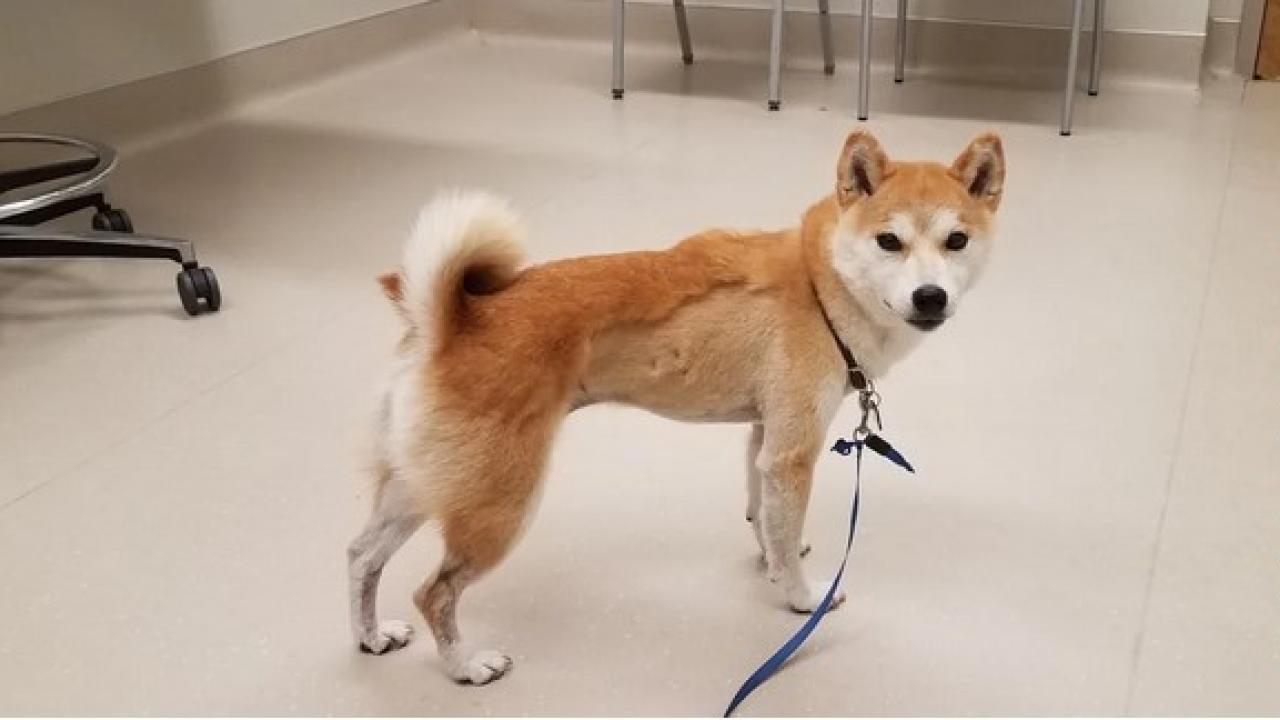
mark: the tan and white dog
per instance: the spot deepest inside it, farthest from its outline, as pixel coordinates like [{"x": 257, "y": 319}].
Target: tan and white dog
[{"x": 725, "y": 326}]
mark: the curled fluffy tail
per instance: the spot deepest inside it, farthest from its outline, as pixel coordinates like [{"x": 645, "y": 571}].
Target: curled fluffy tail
[{"x": 463, "y": 243}]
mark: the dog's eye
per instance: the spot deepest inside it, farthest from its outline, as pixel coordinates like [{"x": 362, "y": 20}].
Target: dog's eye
[
  {"x": 888, "y": 242},
  {"x": 957, "y": 240}
]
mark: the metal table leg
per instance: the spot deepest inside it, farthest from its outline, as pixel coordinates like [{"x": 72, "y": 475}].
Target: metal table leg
[
  {"x": 828, "y": 54},
  {"x": 775, "y": 56},
  {"x": 1073, "y": 56},
  {"x": 619, "y": 39},
  {"x": 864, "y": 62},
  {"x": 900, "y": 58},
  {"x": 1099, "y": 30},
  {"x": 682, "y": 26}
]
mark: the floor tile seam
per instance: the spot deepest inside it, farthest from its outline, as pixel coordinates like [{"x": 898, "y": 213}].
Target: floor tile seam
[{"x": 1139, "y": 640}]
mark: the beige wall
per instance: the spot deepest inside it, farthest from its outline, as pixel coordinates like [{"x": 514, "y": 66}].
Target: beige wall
[{"x": 53, "y": 49}]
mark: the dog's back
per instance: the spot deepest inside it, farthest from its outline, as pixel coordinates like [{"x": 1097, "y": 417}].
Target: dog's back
[{"x": 496, "y": 339}]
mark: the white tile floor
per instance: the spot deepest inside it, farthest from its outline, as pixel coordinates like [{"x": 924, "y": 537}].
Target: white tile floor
[{"x": 1094, "y": 529}]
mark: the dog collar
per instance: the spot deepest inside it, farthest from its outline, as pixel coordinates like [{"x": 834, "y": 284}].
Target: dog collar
[{"x": 857, "y": 377}]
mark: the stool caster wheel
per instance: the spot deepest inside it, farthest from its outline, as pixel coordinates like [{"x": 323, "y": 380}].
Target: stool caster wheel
[
  {"x": 775, "y": 105},
  {"x": 113, "y": 220},
  {"x": 196, "y": 284}
]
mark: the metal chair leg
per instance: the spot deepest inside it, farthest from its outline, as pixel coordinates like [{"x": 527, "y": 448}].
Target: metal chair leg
[
  {"x": 900, "y": 58},
  {"x": 864, "y": 62},
  {"x": 824, "y": 27},
  {"x": 775, "y": 56},
  {"x": 1099, "y": 30},
  {"x": 1073, "y": 57},
  {"x": 682, "y": 26},
  {"x": 619, "y": 39}
]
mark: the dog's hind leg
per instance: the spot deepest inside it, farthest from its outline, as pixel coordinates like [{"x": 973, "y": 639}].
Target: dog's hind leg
[
  {"x": 480, "y": 524},
  {"x": 390, "y": 525}
]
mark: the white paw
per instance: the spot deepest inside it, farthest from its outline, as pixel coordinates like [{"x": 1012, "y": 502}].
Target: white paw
[
  {"x": 390, "y": 635},
  {"x": 806, "y": 599},
  {"x": 481, "y": 668}
]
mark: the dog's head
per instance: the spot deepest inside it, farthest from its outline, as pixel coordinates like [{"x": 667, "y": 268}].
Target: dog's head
[{"x": 913, "y": 236}]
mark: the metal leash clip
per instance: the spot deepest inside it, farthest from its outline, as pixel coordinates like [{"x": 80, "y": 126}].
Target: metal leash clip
[{"x": 869, "y": 401}]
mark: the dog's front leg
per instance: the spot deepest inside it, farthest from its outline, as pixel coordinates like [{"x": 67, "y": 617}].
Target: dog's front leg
[
  {"x": 755, "y": 480},
  {"x": 787, "y": 475}
]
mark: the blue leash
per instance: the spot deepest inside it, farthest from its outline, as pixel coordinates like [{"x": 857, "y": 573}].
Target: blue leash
[{"x": 862, "y": 437}]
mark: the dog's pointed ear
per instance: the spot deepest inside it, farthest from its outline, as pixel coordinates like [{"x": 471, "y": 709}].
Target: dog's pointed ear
[
  {"x": 980, "y": 168},
  {"x": 392, "y": 284},
  {"x": 392, "y": 287},
  {"x": 861, "y": 169}
]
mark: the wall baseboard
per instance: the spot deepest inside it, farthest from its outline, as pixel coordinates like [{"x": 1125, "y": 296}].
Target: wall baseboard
[
  {"x": 1220, "y": 45},
  {"x": 1018, "y": 55},
  {"x": 153, "y": 108}
]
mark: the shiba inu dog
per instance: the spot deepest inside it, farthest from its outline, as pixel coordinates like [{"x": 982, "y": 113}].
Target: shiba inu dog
[{"x": 724, "y": 326}]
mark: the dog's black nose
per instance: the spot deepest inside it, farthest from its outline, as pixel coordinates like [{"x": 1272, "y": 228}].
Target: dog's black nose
[{"x": 929, "y": 299}]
